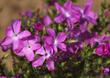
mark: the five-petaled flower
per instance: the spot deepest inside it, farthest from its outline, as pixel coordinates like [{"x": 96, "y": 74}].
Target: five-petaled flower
[
  {"x": 45, "y": 55},
  {"x": 67, "y": 13},
  {"x": 14, "y": 35},
  {"x": 103, "y": 50},
  {"x": 28, "y": 48},
  {"x": 56, "y": 41}
]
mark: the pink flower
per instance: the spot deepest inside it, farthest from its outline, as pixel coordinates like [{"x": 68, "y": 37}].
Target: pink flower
[
  {"x": 106, "y": 71},
  {"x": 56, "y": 41},
  {"x": 45, "y": 55},
  {"x": 67, "y": 13},
  {"x": 28, "y": 48},
  {"x": 14, "y": 35},
  {"x": 39, "y": 26},
  {"x": 86, "y": 13},
  {"x": 103, "y": 50}
]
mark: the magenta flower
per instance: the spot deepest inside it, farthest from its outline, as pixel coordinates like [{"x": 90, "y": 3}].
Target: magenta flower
[
  {"x": 87, "y": 13},
  {"x": 78, "y": 40},
  {"x": 4, "y": 48},
  {"x": 103, "y": 50},
  {"x": 98, "y": 39},
  {"x": 68, "y": 13},
  {"x": 39, "y": 26},
  {"x": 56, "y": 41},
  {"x": 14, "y": 35},
  {"x": 28, "y": 48},
  {"x": 45, "y": 55},
  {"x": 106, "y": 71}
]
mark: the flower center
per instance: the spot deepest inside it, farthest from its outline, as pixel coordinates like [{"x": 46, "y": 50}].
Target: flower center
[
  {"x": 15, "y": 37},
  {"x": 47, "y": 55},
  {"x": 82, "y": 12},
  {"x": 55, "y": 42},
  {"x": 67, "y": 14},
  {"x": 29, "y": 46}
]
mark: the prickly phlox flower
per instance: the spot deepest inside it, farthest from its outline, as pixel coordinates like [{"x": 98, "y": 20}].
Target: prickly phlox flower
[
  {"x": 87, "y": 15},
  {"x": 38, "y": 26},
  {"x": 56, "y": 41},
  {"x": 14, "y": 35},
  {"x": 67, "y": 13},
  {"x": 45, "y": 55},
  {"x": 103, "y": 50},
  {"x": 28, "y": 48},
  {"x": 106, "y": 71},
  {"x": 97, "y": 39},
  {"x": 77, "y": 40}
]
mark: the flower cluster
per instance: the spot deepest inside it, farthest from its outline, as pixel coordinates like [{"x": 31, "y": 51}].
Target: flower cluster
[{"x": 68, "y": 32}]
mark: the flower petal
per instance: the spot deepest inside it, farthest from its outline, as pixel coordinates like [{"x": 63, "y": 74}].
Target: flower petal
[
  {"x": 83, "y": 27},
  {"x": 16, "y": 45},
  {"x": 51, "y": 32},
  {"x": 6, "y": 41},
  {"x": 88, "y": 5},
  {"x": 68, "y": 4},
  {"x": 24, "y": 34},
  {"x": 105, "y": 38},
  {"x": 50, "y": 65},
  {"x": 47, "y": 20},
  {"x": 49, "y": 40},
  {"x": 16, "y": 26},
  {"x": 59, "y": 7},
  {"x": 89, "y": 15},
  {"x": 35, "y": 46},
  {"x": 40, "y": 51},
  {"x": 55, "y": 48},
  {"x": 9, "y": 32},
  {"x": 62, "y": 46},
  {"x": 5, "y": 48},
  {"x": 37, "y": 38},
  {"x": 99, "y": 50},
  {"x": 38, "y": 62},
  {"x": 60, "y": 18},
  {"x": 29, "y": 54},
  {"x": 20, "y": 53},
  {"x": 61, "y": 37}
]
